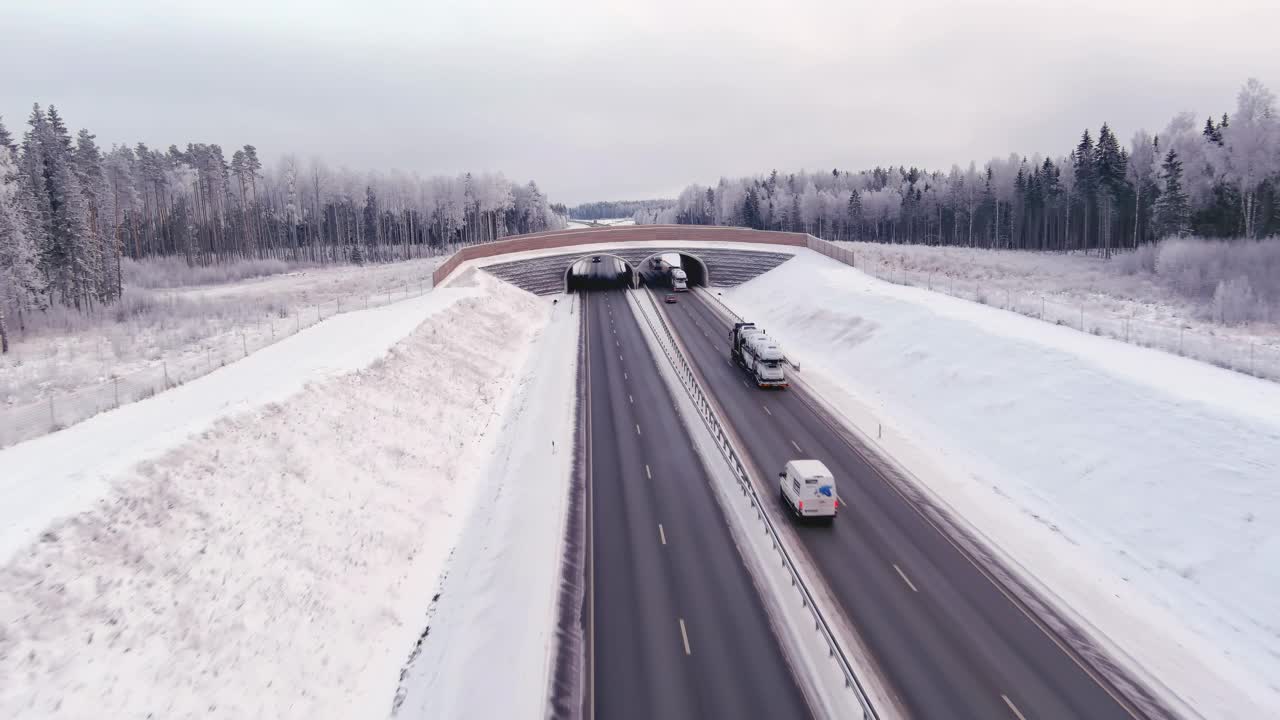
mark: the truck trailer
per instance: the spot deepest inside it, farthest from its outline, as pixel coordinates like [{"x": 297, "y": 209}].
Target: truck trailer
[
  {"x": 672, "y": 275},
  {"x": 679, "y": 280},
  {"x": 758, "y": 354}
]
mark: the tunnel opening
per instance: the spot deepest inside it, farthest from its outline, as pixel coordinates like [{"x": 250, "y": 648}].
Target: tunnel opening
[
  {"x": 599, "y": 272},
  {"x": 656, "y": 271}
]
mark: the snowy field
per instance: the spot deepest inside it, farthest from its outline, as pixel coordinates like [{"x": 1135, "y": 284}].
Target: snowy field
[
  {"x": 150, "y": 324},
  {"x": 1112, "y": 298},
  {"x": 1136, "y": 487},
  {"x": 277, "y": 562}
]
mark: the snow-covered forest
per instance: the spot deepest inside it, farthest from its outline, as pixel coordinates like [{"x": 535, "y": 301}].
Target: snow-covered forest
[
  {"x": 70, "y": 211},
  {"x": 1213, "y": 178},
  {"x": 606, "y": 209}
]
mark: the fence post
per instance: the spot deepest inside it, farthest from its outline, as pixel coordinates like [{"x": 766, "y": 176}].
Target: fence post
[
  {"x": 1251, "y": 372},
  {"x": 115, "y": 387},
  {"x": 165, "y": 363},
  {"x": 244, "y": 345},
  {"x": 1081, "y": 318},
  {"x": 53, "y": 421},
  {"x": 1180, "y": 331},
  {"x": 1042, "y": 307}
]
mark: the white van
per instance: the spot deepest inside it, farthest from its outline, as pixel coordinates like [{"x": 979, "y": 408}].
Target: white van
[{"x": 808, "y": 488}]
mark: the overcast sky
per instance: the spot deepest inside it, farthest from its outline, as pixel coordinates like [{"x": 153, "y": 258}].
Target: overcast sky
[{"x": 604, "y": 99}]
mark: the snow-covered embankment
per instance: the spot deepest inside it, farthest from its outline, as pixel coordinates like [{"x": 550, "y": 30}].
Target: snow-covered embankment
[
  {"x": 1138, "y": 488},
  {"x": 279, "y": 564}
]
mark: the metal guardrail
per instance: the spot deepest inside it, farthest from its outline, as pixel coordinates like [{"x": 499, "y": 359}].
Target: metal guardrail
[{"x": 685, "y": 371}]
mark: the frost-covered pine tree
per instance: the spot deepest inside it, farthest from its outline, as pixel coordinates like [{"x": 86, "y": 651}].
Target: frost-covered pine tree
[
  {"x": 853, "y": 214},
  {"x": 65, "y": 259},
  {"x": 1172, "y": 214},
  {"x": 1110, "y": 166},
  {"x": 21, "y": 285},
  {"x": 101, "y": 245},
  {"x": 1086, "y": 183}
]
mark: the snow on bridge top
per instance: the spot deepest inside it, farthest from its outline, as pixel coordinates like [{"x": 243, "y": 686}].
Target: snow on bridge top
[
  {"x": 618, "y": 234},
  {"x": 720, "y": 266}
]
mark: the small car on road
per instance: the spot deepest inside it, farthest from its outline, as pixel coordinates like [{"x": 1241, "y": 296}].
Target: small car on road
[{"x": 670, "y": 299}]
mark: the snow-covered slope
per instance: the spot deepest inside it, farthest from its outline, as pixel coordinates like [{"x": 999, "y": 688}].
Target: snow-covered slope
[
  {"x": 1138, "y": 487},
  {"x": 280, "y": 563},
  {"x": 495, "y": 617},
  {"x": 63, "y": 473}
]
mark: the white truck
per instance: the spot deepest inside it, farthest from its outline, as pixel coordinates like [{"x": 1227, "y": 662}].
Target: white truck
[
  {"x": 808, "y": 489},
  {"x": 679, "y": 280},
  {"x": 755, "y": 351},
  {"x": 673, "y": 275}
]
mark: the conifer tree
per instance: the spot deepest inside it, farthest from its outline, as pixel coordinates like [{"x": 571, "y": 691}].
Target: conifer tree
[{"x": 1172, "y": 215}]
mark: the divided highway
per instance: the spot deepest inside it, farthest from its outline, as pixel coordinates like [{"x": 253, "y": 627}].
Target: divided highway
[
  {"x": 950, "y": 643},
  {"x": 675, "y": 626}
]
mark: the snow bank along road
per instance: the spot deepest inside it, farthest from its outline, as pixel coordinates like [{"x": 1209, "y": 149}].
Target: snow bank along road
[
  {"x": 675, "y": 626},
  {"x": 493, "y": 619},
  {"x": 950, "y": 642},
  {"x": 279, "y": 563}
]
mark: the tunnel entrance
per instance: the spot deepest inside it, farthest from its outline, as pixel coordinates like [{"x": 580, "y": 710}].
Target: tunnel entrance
[
  {"x": 655, "y": 270},
  {"x": 599, "y": 272}
]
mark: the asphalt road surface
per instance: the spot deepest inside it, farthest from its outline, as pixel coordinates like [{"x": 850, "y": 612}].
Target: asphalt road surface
[
  {"x": 948, "y": 640},
  {"x": 675, "y": 626}
]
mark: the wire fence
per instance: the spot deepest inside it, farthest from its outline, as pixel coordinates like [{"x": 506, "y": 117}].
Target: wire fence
[
  {"x": 24, "y": 422},
  {"x": 1249, "y": 358}
]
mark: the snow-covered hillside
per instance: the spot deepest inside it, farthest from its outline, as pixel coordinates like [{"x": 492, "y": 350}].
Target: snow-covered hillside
[
  {"x": 1138, "y": 487},
  {"x": 278, "y": 562}
]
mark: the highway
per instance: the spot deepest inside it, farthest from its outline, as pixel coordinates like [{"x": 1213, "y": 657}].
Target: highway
[
  {"x": 675, "y": 627},
  {"x": 949, "y": 642}
]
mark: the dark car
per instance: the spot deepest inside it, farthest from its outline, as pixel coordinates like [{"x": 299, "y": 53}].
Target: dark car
[
  {"x": 671, "y": 298},
  {"x": 595, "y": 259}
]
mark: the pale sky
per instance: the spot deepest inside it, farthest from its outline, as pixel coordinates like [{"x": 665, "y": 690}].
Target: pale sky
[{"x": 610, "y": 100}]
